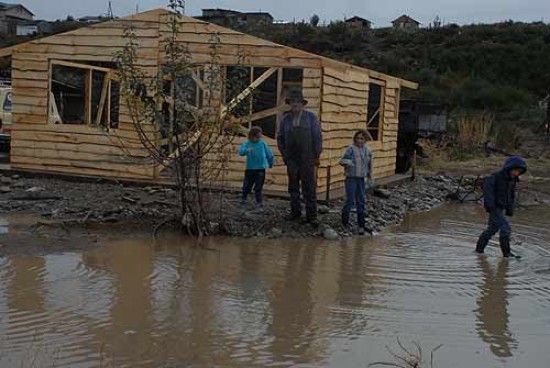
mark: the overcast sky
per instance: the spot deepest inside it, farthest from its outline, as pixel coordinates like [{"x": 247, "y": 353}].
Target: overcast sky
[{"x": 381, "y": 12}]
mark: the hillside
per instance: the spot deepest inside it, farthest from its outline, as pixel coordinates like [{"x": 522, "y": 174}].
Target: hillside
[{"x": 501, "y": 67}]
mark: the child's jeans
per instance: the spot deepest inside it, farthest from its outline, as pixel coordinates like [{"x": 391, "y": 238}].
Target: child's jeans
[
  {"x": 497, "y": 223},
  {"x": 355, "y": 195},
  {"x": 254, "y": 179}
]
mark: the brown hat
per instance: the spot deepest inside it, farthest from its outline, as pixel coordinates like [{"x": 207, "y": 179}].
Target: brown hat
[{"x": 295, "y": 94}]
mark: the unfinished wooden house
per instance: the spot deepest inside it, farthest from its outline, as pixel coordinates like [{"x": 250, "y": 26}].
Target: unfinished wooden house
[{"x": 69, "y": 117}]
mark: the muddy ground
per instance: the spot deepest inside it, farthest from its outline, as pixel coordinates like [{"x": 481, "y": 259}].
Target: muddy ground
[{"x": 73, "y": 214}]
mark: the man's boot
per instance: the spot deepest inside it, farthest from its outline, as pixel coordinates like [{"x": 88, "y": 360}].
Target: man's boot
[
  {"x": 345, "y": 219},
  {"x": 505, "y": 246},
  {"x": 361, "y": 222},
  {"x": 482, "y": 243}
]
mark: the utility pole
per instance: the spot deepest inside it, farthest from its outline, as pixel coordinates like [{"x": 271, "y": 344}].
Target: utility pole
[{"x": 110, "y": 11}]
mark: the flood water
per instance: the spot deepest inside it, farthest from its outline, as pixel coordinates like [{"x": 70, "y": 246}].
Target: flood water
[{"x": 281, "y": 303}]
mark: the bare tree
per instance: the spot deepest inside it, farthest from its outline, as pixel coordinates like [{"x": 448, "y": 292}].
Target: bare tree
[{"x": 181, "y": 121}]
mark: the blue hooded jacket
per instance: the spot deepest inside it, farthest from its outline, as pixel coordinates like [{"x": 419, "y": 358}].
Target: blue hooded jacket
[{"x": 499, "y": 188}]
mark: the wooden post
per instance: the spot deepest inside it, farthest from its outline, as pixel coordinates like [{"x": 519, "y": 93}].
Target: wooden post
[
  {"x": 413, "y": 174},
  {"x": 327, "y": 198}
]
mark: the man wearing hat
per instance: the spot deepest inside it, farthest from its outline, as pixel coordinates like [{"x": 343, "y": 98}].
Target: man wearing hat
[{"x": 300, "y": 142}]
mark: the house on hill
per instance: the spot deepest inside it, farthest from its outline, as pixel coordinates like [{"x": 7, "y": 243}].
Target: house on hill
[
  {"x": 231, "y": 18},
  {"x": 358, "y": 23},
  {"x": 38, "y": 27},
  {"x": 72, "y": 76},
  {"x": 405, "y": 22},
  {"x": 11, "y": 15}
]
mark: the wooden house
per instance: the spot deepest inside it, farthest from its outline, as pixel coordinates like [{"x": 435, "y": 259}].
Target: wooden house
[
  {"x": 405, "y": 22},
  {"x": 68, "y": 115},
  {"x": 358, "y": 23}
]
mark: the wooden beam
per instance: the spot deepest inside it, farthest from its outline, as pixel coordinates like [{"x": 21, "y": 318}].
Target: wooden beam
[
  {"x": 197, "y": 79},
  {"x": 104, "y": 92},
  {"x": 71, "y": 64},
  {"x": 244, "y": 94},
  {"x": 262, "y": 114},
  {"x": 88, "y": 96}
]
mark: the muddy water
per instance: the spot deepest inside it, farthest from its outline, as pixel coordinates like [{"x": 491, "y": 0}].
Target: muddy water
[{"x": 260, "y": 303}]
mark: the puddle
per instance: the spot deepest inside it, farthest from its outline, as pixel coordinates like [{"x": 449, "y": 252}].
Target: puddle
[{"x": 273, "y": 303}]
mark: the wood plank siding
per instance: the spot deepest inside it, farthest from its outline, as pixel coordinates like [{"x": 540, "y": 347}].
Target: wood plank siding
[{"x": 337, "y": 92}]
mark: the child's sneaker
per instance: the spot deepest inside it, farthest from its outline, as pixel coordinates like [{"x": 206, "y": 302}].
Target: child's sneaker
[
  {"x": 242, "y": 203},
  {"x": 361, "y": 230},
  {"x": 259, "y": 207}
]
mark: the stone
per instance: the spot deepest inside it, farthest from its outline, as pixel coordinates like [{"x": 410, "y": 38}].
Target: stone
[
  {"x": 330, "y": 234},
  {"x": 382, "y": 193},
  {"x": 323, "y": 210},
  {"x": 5, "y": 189},
  {"x": 15, "y": 177},
  {"x": 34, "y": 190},
  {"x": 5, "y": 180},
  {"x": 276, "y": 232}
]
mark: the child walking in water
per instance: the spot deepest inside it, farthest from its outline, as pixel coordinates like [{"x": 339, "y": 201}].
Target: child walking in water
[
  {"x": 258, "y": 158},
  {"x": 357, "y": 161},
  {"x": 499, "y": 191}
]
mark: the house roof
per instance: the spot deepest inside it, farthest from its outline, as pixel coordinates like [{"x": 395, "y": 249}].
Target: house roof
[
  {"x": 7, "y": 51},
  {"x": 6, "y": 6},
  {"x": 405, "y": 18},
  {"x": 357, "y": 18},
  {"x": 234, "y": 12},
  {"x": 222, "y": 10}
]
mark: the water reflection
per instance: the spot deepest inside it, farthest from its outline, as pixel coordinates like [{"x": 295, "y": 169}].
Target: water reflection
[
  {"x": 492, "y": 313},
  {"x": 258, "y": 303},
  {"x": 292, "y": 306}
]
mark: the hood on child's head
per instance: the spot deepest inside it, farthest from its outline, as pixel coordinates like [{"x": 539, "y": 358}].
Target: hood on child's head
[{"x": 515, "y": 162}]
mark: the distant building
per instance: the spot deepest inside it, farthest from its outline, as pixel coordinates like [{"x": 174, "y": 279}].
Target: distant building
[
  {"x": 93, "y": 19},
  {"x": 405, "y": 22},
  {"x": 358, "y": 23},
  {"x": 39, "y": 27},
  {"x": 231, "y": 18},
  {"x": 11, "y": 15}
]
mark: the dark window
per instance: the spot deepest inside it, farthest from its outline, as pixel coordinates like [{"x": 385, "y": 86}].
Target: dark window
[
  {"x": 69, "y": 90},
  {"x": 115, "y": 105},
  {"x": 292, "y": 78},
  {"x": 84, "y": 95},
  {"x": 375, "y": 110},
  {"x": 236, "y": 81},
  {"x": 293, "y": 75},
  {"x": 265, "y": 98}
]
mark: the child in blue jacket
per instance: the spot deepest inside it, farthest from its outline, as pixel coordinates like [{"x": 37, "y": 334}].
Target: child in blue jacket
[
  {"x": 357, "y": 161},
  {"x": 499, "y": 201},
  {"x": 258, "y": 158}
]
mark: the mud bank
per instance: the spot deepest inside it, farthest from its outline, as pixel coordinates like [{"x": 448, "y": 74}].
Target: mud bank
[{"x": 71, "y": 205}]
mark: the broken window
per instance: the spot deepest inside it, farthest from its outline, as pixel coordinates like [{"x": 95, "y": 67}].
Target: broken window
[
  {"x": 375, "y": 109},
  {"x": 84, "y": 94},
  {"x": 263, "y": 105}
]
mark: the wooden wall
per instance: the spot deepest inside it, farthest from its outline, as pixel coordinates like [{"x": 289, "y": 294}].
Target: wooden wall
[
  {"x": 344, "y": 111},
  {"x": 77, "y": 149},
  {"x": 336, "y": 93}
]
